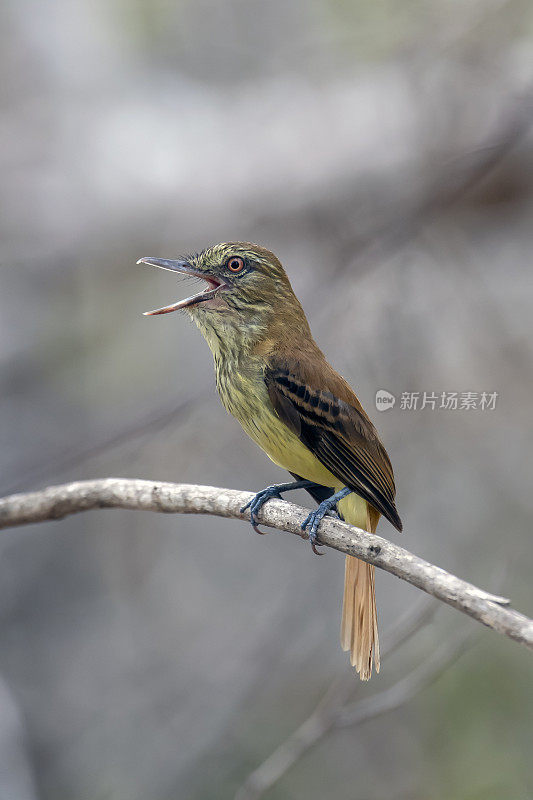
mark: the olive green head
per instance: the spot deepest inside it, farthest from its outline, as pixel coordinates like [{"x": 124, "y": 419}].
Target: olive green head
[{"x": 247, "y": 288}]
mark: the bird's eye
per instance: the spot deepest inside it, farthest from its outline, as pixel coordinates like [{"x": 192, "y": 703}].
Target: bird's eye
[{"x": 235, "y": 264}]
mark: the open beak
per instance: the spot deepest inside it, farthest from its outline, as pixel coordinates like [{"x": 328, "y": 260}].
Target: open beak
[{"x": 214, "y": 284}]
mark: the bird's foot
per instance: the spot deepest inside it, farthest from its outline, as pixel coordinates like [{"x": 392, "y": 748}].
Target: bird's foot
[
  {"x": 314, "y": 518},
  {"x": 256, "y": 503}
]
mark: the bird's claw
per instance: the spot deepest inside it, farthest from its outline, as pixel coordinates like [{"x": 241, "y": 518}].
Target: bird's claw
[
  {"x": 258, "y": 530},
  {"x": 312, "y": 521},
  {"x": 256, "y": 504}
]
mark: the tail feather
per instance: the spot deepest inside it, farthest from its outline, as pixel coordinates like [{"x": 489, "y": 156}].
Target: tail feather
[{"x": 359, "y": 626}]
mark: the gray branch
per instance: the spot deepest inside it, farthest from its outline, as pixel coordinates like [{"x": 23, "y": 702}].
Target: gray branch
[{"x": 57, "y": 502}]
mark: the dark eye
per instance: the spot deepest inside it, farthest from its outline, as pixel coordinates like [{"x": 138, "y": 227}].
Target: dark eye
[{"x": 235, "y": 264}]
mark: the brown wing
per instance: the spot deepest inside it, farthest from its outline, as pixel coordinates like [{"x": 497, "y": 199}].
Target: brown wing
[{"x": 321, "y": 409}]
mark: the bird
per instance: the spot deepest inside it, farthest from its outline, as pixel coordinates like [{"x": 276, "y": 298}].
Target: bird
[{"x": 273, "y": 378}]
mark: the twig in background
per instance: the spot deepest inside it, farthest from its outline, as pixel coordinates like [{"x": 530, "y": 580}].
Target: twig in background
[
  {"x": 328, "y": 717},
  {"x": 323, "y": 718},
  {"x": 342, "y": 689},
  {"x": 59, "y": 463},
  {"x": 453, "y": 185}
]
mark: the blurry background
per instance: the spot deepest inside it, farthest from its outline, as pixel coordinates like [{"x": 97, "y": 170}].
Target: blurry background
[{"x": 383, "y": 151}]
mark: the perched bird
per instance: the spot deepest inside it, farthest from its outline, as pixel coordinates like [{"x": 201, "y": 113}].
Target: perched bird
[{"x": 273, "y": 378}]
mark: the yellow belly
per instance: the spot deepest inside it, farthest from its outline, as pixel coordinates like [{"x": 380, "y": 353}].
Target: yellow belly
[
  {"x": 246, "y": 398},
  {"x": 281, "y": 445},
  {"x": 288, "y": 452}
]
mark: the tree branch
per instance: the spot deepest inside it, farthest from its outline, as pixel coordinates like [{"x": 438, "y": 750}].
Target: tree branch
[{"x": 57, "y": 502}]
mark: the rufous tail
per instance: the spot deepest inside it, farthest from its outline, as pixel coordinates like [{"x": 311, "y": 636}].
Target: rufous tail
[{"x": 359, "y": 626}]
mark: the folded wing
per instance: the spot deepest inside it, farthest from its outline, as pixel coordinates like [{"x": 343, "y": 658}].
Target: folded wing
[{"x": 321, "y": 409}]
